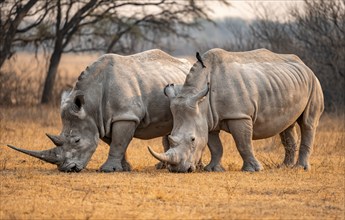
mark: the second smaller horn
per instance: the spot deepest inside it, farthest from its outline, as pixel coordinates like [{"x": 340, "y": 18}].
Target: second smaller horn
[{"x": 170, "y": 156}]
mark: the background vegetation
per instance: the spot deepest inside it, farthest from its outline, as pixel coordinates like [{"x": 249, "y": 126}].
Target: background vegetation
[{"x": 63, "y": 26}]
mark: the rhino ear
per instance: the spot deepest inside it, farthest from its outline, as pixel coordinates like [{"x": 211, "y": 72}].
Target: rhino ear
[
  {"x": 79, "y": 101},
  {"x": 78, "y": 106},
  {"x": 169, "y": 91},
  {"x": 198, "y": 57}
]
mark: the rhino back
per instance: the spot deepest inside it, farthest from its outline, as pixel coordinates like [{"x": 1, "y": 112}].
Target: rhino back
[
  {"x": 132, "y": 88},
  {"x": 271, "y": 89}
]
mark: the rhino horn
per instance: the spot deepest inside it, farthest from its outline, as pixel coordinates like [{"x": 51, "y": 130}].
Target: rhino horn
[
  {"x": 57, "y": 140},
  {"x": 169, "y": 157},
  {"x": 51, "y": 156},
  {"x": 173, "y": 141}
]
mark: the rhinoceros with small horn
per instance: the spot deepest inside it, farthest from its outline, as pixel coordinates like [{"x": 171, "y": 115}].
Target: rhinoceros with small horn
[
  {"x": 252, "y": 95},
  {"x": 114, "y": 99}
]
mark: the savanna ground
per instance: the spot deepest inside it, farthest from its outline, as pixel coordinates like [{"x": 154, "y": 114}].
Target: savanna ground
[{"x": 31, "y": 189}]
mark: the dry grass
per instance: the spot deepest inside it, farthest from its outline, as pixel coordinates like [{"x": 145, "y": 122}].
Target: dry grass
[
  {"x": 22, "y": 77},
  {"x": 31, "y": 189}
]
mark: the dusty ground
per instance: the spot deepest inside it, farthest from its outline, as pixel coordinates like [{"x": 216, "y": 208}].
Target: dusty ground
[{"x": 31, "y": 189}]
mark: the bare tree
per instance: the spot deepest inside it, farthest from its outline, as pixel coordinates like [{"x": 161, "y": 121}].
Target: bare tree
[
  {"x": 316, "y": 33},
  {"x": 69, "y": 17},
  {"x": 269, "y": 30},
  {"x": 319, "y": 30},
  {"x": 74, "y": 19},
  {"x": 18, "y": 18}
]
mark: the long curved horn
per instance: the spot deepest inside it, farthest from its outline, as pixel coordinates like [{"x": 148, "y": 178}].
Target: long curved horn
[
  {"x": 52, "y": 156},
  {"x": 170, "y": 156}
]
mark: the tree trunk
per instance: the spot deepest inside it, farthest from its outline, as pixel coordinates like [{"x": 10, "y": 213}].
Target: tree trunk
[
  {"x": 51, "y": 75},
  {"x": 3, "y": 56}
]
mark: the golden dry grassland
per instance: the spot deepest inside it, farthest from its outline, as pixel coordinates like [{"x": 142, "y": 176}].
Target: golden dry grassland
[{"x": 31, "y": 189}]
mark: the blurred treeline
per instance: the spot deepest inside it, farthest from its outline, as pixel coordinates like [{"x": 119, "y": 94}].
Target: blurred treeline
[{"x": 314, "y": 32}]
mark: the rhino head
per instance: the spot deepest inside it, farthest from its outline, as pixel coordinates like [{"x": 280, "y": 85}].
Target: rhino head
[
  {"x": 189, "y": 135},
  {"x": 78, "y": 139}
]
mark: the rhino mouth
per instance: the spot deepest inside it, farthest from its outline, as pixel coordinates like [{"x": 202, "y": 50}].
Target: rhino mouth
[
  {"x": 71, "y": 168},
  {"x": 179, "y": 169},
  {"x": 174, "y": 160}
]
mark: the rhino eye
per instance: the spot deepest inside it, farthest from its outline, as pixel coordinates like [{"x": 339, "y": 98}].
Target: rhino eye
[
  {"x": 77, "y": 141},
  {"x": 193, "y": 139}
]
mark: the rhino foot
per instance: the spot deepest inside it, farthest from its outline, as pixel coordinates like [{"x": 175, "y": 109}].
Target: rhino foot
[
  {"x": 161, "y": 165},
  {"x": 126, "y": 166},
  {"x": 214, "y": 168},
  {"x": 304, "y": 165},
  {"x": 111, "y": 167},
  {"x": 251, "y": 166}
]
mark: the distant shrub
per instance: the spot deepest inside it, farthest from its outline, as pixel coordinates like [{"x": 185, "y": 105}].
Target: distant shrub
[{"x": 25, "y": 88}]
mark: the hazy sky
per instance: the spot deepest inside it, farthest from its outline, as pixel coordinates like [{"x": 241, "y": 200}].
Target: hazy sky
[{"x": 244, "y": 8}]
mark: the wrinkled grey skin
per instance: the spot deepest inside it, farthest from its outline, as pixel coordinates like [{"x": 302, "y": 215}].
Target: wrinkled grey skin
[
  {"x": 115, "y": 99},
  {"x": 252, "y": 95}
]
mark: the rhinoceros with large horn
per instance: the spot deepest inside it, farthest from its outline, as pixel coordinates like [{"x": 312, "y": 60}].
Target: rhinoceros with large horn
[
  {"x": 252, "y": 95},
  {"x": 115, "y": 99}
]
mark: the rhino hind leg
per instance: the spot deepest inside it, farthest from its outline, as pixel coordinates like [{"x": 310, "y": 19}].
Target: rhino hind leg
[
  {"x": 166, "y": 146},
  {"x": 289, "y": 141},
  {"x": 216, "y": 149},
  {"x": 242, "y": 130},
  {"x": 307, "y": 139},
  {"x": 122, "y": 134},
  {"x": 308, "y": 123}
]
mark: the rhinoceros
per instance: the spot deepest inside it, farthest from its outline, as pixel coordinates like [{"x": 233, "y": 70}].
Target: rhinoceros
[
  {"x": 114, "y": 99},
  {"x": 252, "y": 95}
]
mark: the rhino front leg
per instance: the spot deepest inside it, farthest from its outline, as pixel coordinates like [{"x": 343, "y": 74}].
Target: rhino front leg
[
  {"x": 242, "y": 132},
  {"x": 216, "y": 149},
  {"x": 122, "y": 134}
]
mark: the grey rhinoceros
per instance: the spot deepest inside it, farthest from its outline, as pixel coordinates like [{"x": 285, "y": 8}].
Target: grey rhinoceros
[
  {"x": 252, "y": 95},
  {"x": 115, "y": 99}
]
